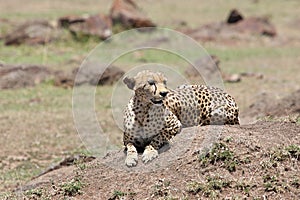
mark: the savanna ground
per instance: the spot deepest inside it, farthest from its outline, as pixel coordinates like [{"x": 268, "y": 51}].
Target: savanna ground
[{"x": 37, "y": 127}]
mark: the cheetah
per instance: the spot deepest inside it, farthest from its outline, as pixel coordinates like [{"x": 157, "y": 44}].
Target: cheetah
[{"x": 156, "y": 113}]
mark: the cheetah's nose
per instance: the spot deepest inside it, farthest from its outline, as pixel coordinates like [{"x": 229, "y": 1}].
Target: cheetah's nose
[{"x": 163, "y": 94}]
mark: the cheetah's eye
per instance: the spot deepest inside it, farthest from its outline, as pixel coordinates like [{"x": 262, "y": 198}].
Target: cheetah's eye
[
  {"x": 151, "y": 82},
  {"x": 165, "y": 82}
]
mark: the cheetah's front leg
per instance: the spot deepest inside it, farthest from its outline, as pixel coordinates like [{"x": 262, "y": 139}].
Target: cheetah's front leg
[
  {"x": 132, "y": 155},
  {"x": 151, "y": 151}
]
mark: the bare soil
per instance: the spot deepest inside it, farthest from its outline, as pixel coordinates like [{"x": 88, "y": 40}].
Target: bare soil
[
  {"x": 260, "y": 167},
  {"x": 266, "y": 106}
]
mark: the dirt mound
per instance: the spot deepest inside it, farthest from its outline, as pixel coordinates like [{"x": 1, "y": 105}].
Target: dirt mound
[
  {"x": 286, "y": 106},
  {"x": 255, "y": 25},
  {"x": 32, "y": 33},
  {"x": 19, "y": 76},
  {"x": 129, "y": 15},
  {"x": 210, "y": 67},
  {"x": 123, "y": 13},
  {"x": 90, "y": 76},
  {"x": 81, "y": 26},
  {"x": 251, "y": 161},
  {"x": 266, "y": 106},
  {"x": 235, "y": 27},
  {"x": 208, "y": 64}
]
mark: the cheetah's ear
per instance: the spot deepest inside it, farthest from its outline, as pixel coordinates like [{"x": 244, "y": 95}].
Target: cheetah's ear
[{"x": 130, "y": 82}]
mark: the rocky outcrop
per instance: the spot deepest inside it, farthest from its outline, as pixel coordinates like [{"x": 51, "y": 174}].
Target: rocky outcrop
[
  {"x": 32, "y": 33},
  {"x": 19, "y": 76},
  {"x": 94, "y": 25}
]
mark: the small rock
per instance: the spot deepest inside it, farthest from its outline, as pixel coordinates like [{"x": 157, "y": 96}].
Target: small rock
[
  {"x": 18, "y": 158},
  {"x": 233, "y": 78},
  {"x": 94, "y": 25},
  {"x": 66, "y": 21},
  {"x": 20, "y": 76},
  {"x": 129, "y": 15},
  {"x": 256, "y": 25},
  {"x": 208, "y": 64},
  {"x": 32, "y": 33},
  {"x": 89, "y": 75},
  {"x": 234, "y": 16},
  {"x": 63, "y": 80},
  {"x": 255, "y": 75}
]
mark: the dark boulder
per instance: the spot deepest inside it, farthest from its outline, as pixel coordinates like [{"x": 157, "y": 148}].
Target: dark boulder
[{"x": 234, "y": 16}]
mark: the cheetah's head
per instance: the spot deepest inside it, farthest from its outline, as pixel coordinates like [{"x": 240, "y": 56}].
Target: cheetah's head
[{"x": 149, "y": 86}]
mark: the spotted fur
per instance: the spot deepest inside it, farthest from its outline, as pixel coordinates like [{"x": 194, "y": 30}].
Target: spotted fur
[{"x": 155, "y": 113}]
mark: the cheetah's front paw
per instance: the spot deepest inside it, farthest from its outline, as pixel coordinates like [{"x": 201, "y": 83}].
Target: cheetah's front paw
[
  {"x": 132, "y": 156},
  {"x": 131, "y": 159},
  {"x": 149, "y": 154}
]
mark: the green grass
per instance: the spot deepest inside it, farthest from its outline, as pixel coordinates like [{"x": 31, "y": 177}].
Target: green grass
[
  {"x": 294, "y": 151},
  {"x": 272, "y": 183},
  {"x": 117, "y": 194},
  {"x": 282, "y": 154},
  {"x": 295, "y": 182},
  {"x": 51, "y": 10},
  {"x": 72, "y": 187},
  {"x": 244, "y": 187},
  {"x": 37, "y": 192},
  {"x": 220, "y": 154},
  {"x": 162, "y": 188},
  {"x": 43, "y": 97},
  {"x": 22, "y": 172},
  {"x": 258, "y": 52},
  {"x": 57, "y": 55},
  {"x": 210, "y": 188},
  {"x": 277, "y": 156}
]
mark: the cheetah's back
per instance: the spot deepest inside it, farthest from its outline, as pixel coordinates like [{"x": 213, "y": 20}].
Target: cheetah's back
[{"x": 202, "y": 105}]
